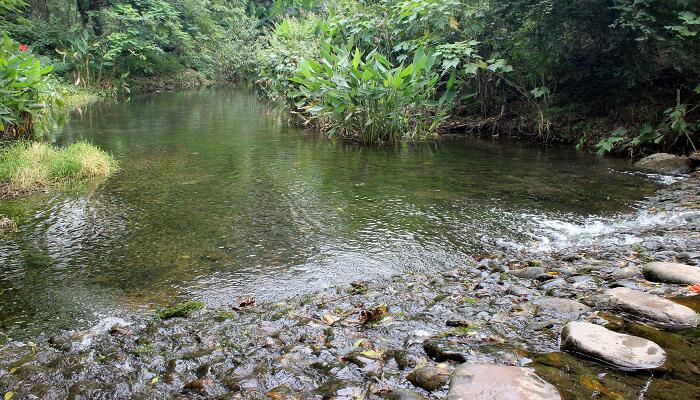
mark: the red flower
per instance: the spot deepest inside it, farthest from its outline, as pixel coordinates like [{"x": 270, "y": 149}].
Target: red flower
[{"x": 23, "y": 47}]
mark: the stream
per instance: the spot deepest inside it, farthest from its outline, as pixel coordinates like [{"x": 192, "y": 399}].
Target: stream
[{"x": 218, "y": 197}]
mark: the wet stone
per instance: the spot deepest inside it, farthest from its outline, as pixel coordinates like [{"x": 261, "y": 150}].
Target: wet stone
[
  {"x": 664, "y": 163},
  {"x": 622, "y": 351},
  {"x": 669, "y": 272},
  {"x": 624, "y": 273},
  {"x": 403, "y": 394},
  {"x": 429, "y": 377},
  {"x": 443, "y": 350},
  {"x": 283, "y": 392},
  {"x": 403, "y": 358},
  {"x": 556, "y": 307},
  {"x": 528, "y": 273},
  {"x": 498, "y": 382},
  {"x": 650, "y": 308}
]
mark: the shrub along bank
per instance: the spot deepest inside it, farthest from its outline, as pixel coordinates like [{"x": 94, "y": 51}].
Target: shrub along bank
[
  {"x": 613, "y": 76},
  {"x": 617, "y": 76}
]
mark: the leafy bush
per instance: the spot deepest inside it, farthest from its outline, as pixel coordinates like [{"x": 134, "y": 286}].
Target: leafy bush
[
  {"x": 366, "y": 97},
  {"x": 27, "y": 92},
  {"x": 675, "y": 130},
  {"x": 291, "y": 41}
]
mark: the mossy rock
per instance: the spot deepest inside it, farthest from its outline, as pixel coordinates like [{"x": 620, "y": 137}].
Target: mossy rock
[{"x": 181, "y": 310}]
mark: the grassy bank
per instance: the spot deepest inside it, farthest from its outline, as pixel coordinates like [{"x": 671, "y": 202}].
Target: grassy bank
[{"x": 27, "y": 167}]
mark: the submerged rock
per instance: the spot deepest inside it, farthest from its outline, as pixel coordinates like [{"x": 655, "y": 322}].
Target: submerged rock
[
  {"x": 664, "y": 163},
  {"x": 626, "y": 352},
  {"x": 651, "y": 308},
  {"x": 499, "y": 382},
  {"x": 669, "y": 272},
  {"x": 429, "y": 377}
]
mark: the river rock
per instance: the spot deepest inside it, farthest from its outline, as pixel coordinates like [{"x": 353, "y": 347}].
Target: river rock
[
  {"x": 624, "y": 273},
  {"x": 498, "y": 382},
  {"x": 528, "y": 273},
  {"x": 403, "y": 394},
  {"x": 556, "y": 307},
  {"x": 651, "y": 308},
  {"x": 623, "y": 351},
  {"x": 429, "y": 377},
  {"x": 670, "y": 272},
  {"x": 444, "y": 350},
  {"x": 664, "y": 163}
]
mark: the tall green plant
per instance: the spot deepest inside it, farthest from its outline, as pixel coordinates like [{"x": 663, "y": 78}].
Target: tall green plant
[
  {"x": 26, "y": 92},
  {"x": 366, "y": 97}
]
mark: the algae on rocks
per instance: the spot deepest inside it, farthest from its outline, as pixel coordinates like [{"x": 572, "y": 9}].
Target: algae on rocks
[{"x": 181, "y": 310}]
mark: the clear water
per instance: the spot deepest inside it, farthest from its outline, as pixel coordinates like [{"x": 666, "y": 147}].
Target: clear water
[{"x": 217, "y": 197}]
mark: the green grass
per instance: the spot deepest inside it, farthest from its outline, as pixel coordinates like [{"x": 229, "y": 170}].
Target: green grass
[{"x": 30, "y": 166}]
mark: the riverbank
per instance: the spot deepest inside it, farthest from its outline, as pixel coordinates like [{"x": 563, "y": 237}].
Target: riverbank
[{"x": 375, "y": 339}]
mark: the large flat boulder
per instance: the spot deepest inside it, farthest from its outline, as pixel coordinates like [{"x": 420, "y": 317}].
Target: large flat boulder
[
  {"x": 669, "y": 272},
  {"x": 651, "y": 309},
  {"x": 664, "y": 163},
  {"x": 498, "y": 382},
  {"x": 625, "y": 352}
]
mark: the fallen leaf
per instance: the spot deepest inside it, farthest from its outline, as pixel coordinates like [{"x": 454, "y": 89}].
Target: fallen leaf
[
  {"x": 373, "y": 315},
  {"x": 375, "y": 355},
  {"x": 329, "y": 319},
  {"x": 692, "y": 367}
]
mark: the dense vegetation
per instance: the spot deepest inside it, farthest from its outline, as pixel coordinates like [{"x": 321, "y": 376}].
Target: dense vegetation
[{"x": 619, "y": 75}]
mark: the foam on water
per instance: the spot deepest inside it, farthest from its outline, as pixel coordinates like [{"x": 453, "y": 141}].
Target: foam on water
[{"x": 552, "y": 234}]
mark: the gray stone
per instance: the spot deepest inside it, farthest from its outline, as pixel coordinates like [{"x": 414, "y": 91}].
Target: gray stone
[
  {"x": 498, "y": 382},
  {"x": 556, "y": 307},
  {"x": 429, "y": 377},
  {"x": 622, "y": 351},
  {"x": 624, "y": 273},
  {"x": 650, "y": 308},
  {"x": 664, "y": 163},
  {"x": 527, "y": 273},
  {"x": 670, "y": 272}
]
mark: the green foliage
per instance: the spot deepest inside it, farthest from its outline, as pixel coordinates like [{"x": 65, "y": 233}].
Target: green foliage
[
  {"x": 366, "y": 97},
  {"x": 674, "y": 130},
  {"x": 111, "y": 41},
  {"x": 181, "y": 310},
  {"x": 26, "y": 92},
  {"x": 288, "y": 43}
]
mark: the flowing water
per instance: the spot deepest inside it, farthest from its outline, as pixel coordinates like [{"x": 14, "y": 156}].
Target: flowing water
[{"x": 218, "y": 197}]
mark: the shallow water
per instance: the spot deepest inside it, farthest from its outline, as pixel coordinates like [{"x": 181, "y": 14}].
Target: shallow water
[{"x": 218, "y": 197}]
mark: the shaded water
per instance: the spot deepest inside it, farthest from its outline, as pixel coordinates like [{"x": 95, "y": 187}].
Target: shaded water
[{"x": 218, "y": 197}]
